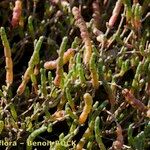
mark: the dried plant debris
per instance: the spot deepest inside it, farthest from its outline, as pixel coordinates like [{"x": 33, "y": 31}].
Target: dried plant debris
[{"x": 75, "y": 75}]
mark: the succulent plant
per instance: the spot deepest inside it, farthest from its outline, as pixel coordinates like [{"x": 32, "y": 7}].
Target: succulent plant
[{"x": 75, "y": 74}]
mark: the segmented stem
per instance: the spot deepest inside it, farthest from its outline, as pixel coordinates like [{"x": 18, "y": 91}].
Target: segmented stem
[{"x": 84, "y": 34}]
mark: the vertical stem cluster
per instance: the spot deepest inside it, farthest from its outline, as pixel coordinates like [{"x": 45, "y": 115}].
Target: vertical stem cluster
[
  {"x": 59, "y": 68},
  {"x": 32, "y": 63}
]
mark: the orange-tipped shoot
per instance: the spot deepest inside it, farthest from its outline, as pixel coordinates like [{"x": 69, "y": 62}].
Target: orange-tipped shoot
[
  {"x": 87, "y": 108},
  {"x": 53, "y": 64}
]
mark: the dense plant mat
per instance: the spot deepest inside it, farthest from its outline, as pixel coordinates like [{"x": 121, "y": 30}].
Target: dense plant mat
[{"x": 75, "y": 74}]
